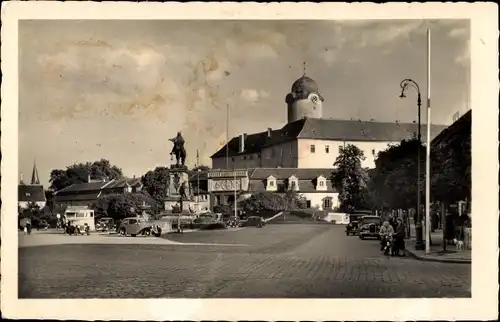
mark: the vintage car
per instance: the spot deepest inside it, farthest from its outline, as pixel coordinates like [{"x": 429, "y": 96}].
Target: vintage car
[
  {"x": 352, "y": 228},
  {"x": 137, "y": 226},
  {"x": 369, "y": 227},
  {"x": 253, "y": 221},
  {"x": 105, "y": 224}
]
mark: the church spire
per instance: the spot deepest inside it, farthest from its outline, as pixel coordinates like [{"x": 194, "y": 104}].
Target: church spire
[{"x": 34, "y": 175}]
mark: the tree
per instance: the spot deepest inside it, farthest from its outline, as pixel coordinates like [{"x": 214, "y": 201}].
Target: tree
[
  {"x": 79, "y": 173},
  {"x": 451, "y": 163},
  {"x": 32, "y": 210},
  {"x": 49, "y": 196},
  {"x": 349, "y": 178},
  {"x": 156, "y": 183},
  {"x": 201, "y": 168},
  {"x": 393, "y": 182},
  {"x": 263, "y": 201},
  {"x": 294, "y": 200},
  {"x": 119, "y": 206}
]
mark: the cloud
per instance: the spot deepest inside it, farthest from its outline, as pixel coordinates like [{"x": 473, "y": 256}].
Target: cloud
[
  {"x": 388, "y": 33},
  {"x": 459, "y": 32},
  {"x": 329, "y": 56},
  {"x": 252, "y": 95},
  {"x": 463, "y": 58}
]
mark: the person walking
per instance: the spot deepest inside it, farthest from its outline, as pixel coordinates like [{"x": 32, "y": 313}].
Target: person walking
[{"x": 399, "y": 236}]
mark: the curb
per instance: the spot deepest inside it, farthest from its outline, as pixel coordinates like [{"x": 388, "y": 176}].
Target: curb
[{"x": 438, "y": 260}]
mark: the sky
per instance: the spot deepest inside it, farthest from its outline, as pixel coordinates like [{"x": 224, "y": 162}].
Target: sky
[{"x": 119, "y": 89}]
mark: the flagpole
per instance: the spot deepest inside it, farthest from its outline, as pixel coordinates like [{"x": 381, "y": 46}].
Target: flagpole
[
  {"x": 227, "y": 136},
  {"x": 428, "y": 154}
]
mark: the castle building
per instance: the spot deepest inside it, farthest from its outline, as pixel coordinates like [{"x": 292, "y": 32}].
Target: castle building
[
  {"x": 300, "y": 155},
  {"x": 310, "y": 141}
]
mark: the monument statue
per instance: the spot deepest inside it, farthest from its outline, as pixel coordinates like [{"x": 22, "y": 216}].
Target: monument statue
[{"x": 178, "y": 149}]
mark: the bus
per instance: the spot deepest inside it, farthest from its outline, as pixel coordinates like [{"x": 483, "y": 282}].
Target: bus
[{"x": 80, "y": 216}]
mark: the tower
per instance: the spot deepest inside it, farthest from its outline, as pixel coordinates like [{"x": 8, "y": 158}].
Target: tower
[
  {"x": 304, "y": 99},
  {"x": 35, "y": 180}
]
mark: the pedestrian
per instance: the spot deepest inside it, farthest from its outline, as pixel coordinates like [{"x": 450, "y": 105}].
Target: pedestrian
[
  {"x": 385, "y": 231},
  {"x": 399, "y": 236}
]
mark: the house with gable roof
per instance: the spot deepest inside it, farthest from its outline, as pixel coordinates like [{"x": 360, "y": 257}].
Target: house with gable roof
[
  {"x": 32, "y": 193},
  {"x": 84, "y": 194}
]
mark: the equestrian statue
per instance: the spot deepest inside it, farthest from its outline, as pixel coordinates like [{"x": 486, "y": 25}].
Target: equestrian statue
[{"x": 178, "y": 149}]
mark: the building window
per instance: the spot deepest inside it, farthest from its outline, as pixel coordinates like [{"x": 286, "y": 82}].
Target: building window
[
  {"x": 28, "y": 194},
  {"x": 327, "y": 149},
  {"x": 373, "y": 151},
  {"x": 250, "y": 157},
  {"x": 327, "y": 203},
  {"x": 244, "y": 158},
  {"x": 321, "y": 183},
  {"x": 313, "y": 149},
  {"x": 271, "y": 183},
  {"x": 293, "y": 185},
  {"x": 308, "y": 203}
]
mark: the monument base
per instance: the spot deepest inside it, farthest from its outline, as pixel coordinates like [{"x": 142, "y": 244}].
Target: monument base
[{"x": 178, "y": 167}]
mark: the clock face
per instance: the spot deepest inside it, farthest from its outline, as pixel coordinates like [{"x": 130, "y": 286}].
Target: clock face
[{"x": 314, "y": 98}]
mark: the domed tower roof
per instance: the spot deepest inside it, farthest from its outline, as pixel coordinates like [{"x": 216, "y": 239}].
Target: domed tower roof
[{"x": 305, "y": 84}]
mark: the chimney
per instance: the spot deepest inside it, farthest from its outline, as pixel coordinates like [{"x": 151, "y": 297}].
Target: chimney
[
  {"x": 243, "y": 138},
  {"x": 269, "y": 132},
  {"x": 134, "y": 176}
]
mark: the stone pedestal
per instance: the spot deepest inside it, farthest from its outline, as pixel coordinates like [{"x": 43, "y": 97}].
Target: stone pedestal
[{"x": 178, "y": 177}]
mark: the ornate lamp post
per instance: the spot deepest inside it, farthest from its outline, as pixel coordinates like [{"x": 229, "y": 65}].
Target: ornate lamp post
[{"x": 418, "y": 224}]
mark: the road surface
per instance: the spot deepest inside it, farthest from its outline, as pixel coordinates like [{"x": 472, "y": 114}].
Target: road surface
[{"x": 285, "y": 261}]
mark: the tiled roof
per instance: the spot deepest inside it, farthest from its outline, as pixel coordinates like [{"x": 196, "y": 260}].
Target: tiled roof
[
  {"x": 30, "y": 193},
  {"x": 462, "y": 124},
  {"x": 77, "y": 197},
  {"x": 328, "y": 129},
  {"x": 307, "y": 178},
  {"x": 259, "y": 185},
  {"x": 122, "y": 183},
  {"x": 98, "y": 185},
  {"x": 285, "y": 173},
  {"x": 256, "y": 141},
  {"x": 82, "y": 187}
]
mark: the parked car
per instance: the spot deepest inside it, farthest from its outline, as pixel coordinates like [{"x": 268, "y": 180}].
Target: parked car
[
  {"x": 253, "y": 221},
  {"x": 370, "y": 227},
  {"x": 136, "y": 226},
  {"x": 42, "y": 224},
  {"x": 352, "y": 228},
  {"x": 105, "y": 224}
]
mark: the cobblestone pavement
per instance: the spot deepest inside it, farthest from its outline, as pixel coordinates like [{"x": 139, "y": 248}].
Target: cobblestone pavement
[{"x": 290, "y": 261}]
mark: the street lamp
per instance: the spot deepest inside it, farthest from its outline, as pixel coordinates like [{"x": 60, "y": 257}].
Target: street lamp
[
  {"x": 418, "y": 225},
  {"x": 198, "y": 187}
]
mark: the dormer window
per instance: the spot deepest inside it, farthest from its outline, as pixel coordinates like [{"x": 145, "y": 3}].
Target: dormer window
[
  {"x": 321, "y": 183},
  {"x": 271, "y": 184},
  {"x": 293, "y": 183}
]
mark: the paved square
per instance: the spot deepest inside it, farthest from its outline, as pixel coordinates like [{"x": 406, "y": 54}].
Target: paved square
[{"x": 286, "y": 261}]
